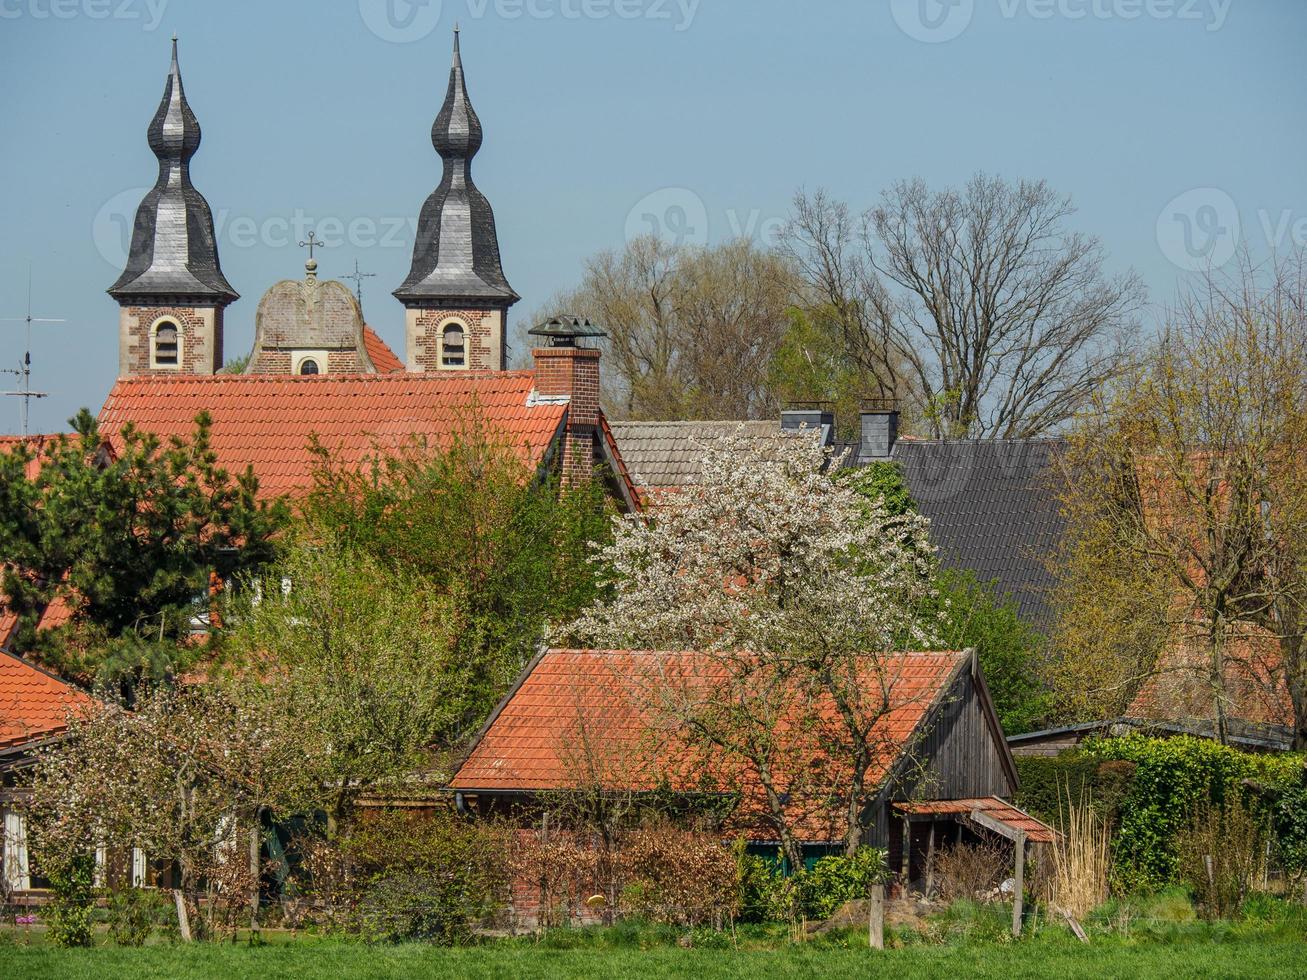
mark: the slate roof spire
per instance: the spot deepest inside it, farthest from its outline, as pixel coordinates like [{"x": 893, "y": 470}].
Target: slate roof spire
[
  {"x": 174, "y": 252},
  {"x": 456, "y": 254}
]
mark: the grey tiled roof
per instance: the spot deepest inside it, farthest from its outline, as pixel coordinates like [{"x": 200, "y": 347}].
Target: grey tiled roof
[
  {"x": 456, "y": 252},
  {"x": 993, "y": 510},
  {"x": 662, "y": 455},
  {"x": 174, "y": 252}
]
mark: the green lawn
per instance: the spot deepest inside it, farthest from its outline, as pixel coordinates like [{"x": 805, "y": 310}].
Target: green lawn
[{"x": 318, "y": 959}]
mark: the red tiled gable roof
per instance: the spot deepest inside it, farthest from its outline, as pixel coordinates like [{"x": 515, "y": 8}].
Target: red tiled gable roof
[
  {"x": 599, "y": 703},
  {"x": 35, "y": 443},
  {"x": 1014, "y": 818},
  {"x": 267, "y": 421},
  {"x": 33, "y": 704},
  {"x": 8, "y": 624},
  {"x": 1253, "y": 682},
  {"x": 385, "y": 360}
]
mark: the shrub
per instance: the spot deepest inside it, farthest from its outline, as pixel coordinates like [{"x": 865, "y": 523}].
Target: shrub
[
  {"x": 836, "y": 879},
  {"x": 967, "y": 872},
  {"x": 1221, "y": 854},
  {"x": 1289, "y": 823},
  {"x": 685, "y": 878},
  {"x": 759, "y": 885},
  {"x": 135, "y": 913},
  {"x": 1172, "y": 779},
  {"x": 69, "y": 911},
  {"x": 395, "y": 876}
]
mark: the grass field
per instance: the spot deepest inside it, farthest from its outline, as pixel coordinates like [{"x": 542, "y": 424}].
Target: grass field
[{"x": 316, "y": 959}]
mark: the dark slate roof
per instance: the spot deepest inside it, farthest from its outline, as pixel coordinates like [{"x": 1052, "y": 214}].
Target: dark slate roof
[
  {"x": 174, "y": 252},
  {"x": 456, "y": 253},
  {"x": 993, "y": 511}
]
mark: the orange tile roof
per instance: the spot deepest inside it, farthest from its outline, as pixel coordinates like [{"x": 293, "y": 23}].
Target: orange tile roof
[
  {"x": 580, "y": 715},
  {"x": 1253, "y": 685},
  {"x": 8, "y": 624},
  {"x": 383, "y": 358},
  {"x": 991, "y": 806},
  {"x": 35, "y": 443},
  {"x": 266, "y": 421},
  {"x": 33, "y": 704}
]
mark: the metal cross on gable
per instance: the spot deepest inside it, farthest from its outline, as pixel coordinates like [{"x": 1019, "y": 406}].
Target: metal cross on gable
[{"x": 313, "y": 242}]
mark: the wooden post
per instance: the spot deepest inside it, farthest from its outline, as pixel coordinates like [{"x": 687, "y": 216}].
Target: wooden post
[
  {"x": 930, "y": 860},
  {"x": 1018, "y": 884},
  {"x": 876, "y": 920},
  {"x": 905, "y": 864}
]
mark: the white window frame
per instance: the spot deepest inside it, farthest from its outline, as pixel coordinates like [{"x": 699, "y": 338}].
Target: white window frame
[
  {"x": 319, "y": 357},
  {"x": 173, "y": 322},
  {"x": 445, "y": 324},
  {"x": 18, "y": 873}
]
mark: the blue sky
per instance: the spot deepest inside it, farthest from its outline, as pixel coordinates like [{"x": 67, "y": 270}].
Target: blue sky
[{"x": 1174, "y": 125}]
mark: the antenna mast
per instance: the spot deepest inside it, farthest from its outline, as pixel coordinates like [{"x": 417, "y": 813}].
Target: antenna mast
[
  {"x": 357, "y": 278},
  {"x": 24, "y": 370}
]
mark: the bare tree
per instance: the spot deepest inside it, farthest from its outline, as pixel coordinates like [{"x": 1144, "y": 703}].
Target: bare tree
[
  {"x": 1192, "y": 475},
  {"x": 692, "y": 331},
  {"x": 980, "y": 305}
]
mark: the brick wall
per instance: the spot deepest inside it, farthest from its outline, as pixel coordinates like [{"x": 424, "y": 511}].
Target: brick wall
[
  {"x": 574, "y": 372},
  {"x": 485, "y": 338},
  {"x": 200, "y": 337}
]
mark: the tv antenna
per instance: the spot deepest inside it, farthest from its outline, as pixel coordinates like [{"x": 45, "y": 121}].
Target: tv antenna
[
  {"x": 24, "y": 370},
  {"x": 357, "y": 278}
]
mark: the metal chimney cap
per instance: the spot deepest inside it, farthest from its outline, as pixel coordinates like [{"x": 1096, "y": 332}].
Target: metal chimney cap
[{"x": 566, "y": 329}]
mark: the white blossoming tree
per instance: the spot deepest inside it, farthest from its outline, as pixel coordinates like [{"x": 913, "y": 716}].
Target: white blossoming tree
[{"x": 799, "y": 591}]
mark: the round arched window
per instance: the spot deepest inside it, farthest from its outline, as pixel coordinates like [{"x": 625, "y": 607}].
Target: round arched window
[
  {"x": 166, "y": 344},
  {"x": 308, "y": 366},
  {"x": 453, "y": 346}
]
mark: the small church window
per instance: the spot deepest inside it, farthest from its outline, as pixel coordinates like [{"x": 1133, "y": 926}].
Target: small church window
[
  {"x": 166, "y": 344},
  {"x": 308, "y": 366},
  {"x": 453, "y": 346}
]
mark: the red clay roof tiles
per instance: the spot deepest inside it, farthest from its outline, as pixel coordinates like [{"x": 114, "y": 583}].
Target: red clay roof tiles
[
  {"x": 267, "y": 421},
  {"x": 1005, "y": 813},
  {"x": 383, "y": 358},
  {"x": 597, "y": 704},
  {"x": 33, "y": 704}
]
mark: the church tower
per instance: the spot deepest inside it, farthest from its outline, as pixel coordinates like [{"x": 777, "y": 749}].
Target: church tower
[
  {"x": 172, "y": 294},
  {"x": 456, "y": 297}
]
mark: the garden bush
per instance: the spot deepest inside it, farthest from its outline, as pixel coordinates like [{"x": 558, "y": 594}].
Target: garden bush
[
  {"x": 73, "y": 902},
  {"x": 836, "y": 879},
  {"x": 1172, "y": 779},
  {"x": 1221, "y": 854},
  {"x": 135, "y": 913},
  {"x": 393, "y": 876}
]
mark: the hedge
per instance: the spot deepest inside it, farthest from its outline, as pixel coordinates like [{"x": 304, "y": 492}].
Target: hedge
[{"x": 1151, "y": 786}]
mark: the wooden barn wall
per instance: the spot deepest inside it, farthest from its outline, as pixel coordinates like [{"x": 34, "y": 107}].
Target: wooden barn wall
[{"x": 961, "y": 759}]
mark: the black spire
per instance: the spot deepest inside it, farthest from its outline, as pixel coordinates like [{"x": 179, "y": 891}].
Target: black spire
[
  {"x": 174, "y": 253},
  {"x": 456, "y": 254}
]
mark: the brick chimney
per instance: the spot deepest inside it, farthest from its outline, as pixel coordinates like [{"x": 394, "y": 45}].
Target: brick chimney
[
  {"x": 565, "y": 370},
  {"x": 880, "y": 430}
]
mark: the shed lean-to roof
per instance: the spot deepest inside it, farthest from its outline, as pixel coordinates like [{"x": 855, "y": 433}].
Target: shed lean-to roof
[
  {"x": 993, "y": 509},
  {"x": 267, "y": 421},
  {"x": 579, "y": 715},
  {"x": 1013, "y": 819},
  {"x": 34, "y": 705}
]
